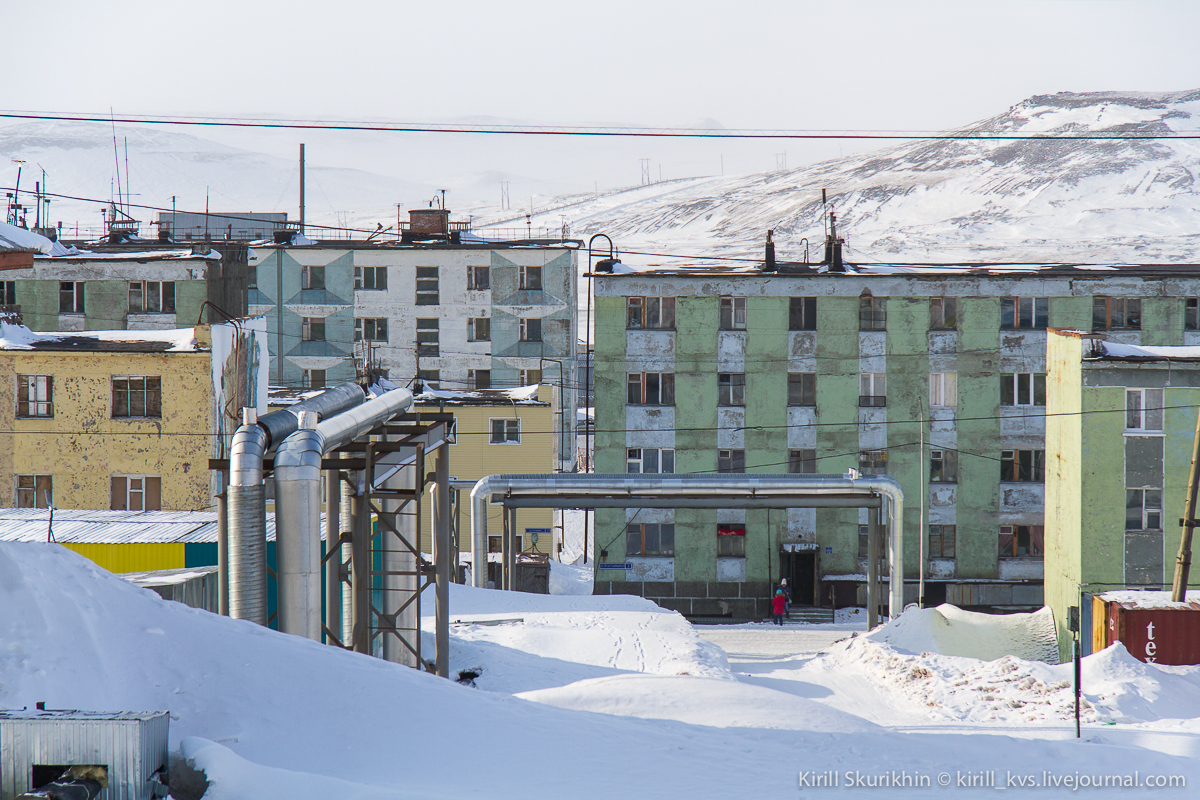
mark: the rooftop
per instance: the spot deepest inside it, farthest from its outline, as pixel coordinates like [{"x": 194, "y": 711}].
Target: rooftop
[
  {"x": 89, "y": 526},
  {"x": 1114, "y": 351},
  {"x": 936, "y": 271},
  {"x": 180, "y": 340}
]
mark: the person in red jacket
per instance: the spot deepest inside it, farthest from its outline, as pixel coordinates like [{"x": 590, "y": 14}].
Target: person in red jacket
[{"x": 777, "y": 605}]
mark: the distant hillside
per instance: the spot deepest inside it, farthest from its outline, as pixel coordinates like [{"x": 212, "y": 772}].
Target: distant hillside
[{"x": 949, "y": 200}]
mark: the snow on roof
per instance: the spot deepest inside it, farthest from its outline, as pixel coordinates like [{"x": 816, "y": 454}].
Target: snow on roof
[
  {"x": 1137, "y": 352},
  {"x": 521, "y": 395},
  {"x": 178, "y": 340},
  {"x": 92, "y": 526},
  {"x": 1134, "y": 599},
  {"x": 179, "y": 254},
  {"x": 14, "y": 238}
]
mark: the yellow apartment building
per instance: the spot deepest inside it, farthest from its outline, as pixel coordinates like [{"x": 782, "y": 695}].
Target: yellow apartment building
[
  {"x": 497, "y": 431},
  {"x": 120, "y": 420}
]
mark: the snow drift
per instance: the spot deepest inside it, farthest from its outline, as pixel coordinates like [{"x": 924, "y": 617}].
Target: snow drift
[{"x": 951, "y": 631}]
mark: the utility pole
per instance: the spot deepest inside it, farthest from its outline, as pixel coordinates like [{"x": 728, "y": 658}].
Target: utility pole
[
  {"x": 505, "y": 202},
  {"x": 645, "y": 172},
  {"x": 1183, "y": 561}
]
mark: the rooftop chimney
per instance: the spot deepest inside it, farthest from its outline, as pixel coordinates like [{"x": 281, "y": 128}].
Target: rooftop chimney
[
  {"x": 769, "y": 259},
  {"x": 429, "y": 221},
  {"x": 833, "y": 247}
]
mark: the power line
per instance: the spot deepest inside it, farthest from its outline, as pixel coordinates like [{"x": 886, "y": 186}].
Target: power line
[{"x": 568, "y": 130}]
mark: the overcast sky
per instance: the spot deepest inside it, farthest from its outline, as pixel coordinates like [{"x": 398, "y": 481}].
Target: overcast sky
[{"x": 836, "y": 64}]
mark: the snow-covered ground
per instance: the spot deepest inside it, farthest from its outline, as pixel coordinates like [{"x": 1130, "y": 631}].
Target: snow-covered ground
[{"x": 581, "y": 696}]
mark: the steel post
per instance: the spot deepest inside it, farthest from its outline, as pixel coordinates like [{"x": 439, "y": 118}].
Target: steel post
[
  {"x": 223, "y": 554},
  {"x": 333, "y": 557},
  {"x": 441, "y": 559}
]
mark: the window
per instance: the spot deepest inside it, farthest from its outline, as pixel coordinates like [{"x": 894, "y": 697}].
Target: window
[
  {"x": 312, "y": 278},
  {"x": 1023, "y": 389},
  {"x": 650, "y": 539},
  {"x": 1028, "y": 466},
  {"x": 941, "y": 541},
  {"x": 733, "y": 314},
  {"x": 505, "y": 431},
  {"x": 479, "y": 378},
  {"x": 1143, "y": 509},
  {"x": 651, "y": 389},
  {"x": 650, "y": 460},
  {"x": 731, "y": 541},
  {"x": 496, "y": 544},
  {"x": 432, "y": 378},
  {"x": 151, "y": 297},
  {"x": 427, "y": 337},
  {"x": 802, "y": 388},
  {"x": 370, "y": 329},
  {"x": 650, "y": 312},
  {"x": 479, "y": 329},
  {"x": 943, "y": 466},
  {"x": 135, "y": 493},
  {"x": 530, "y": 278},
  {"x": 943, "y": 389},
  {"x": 35, "y": 491},
  {"x": 872, "y": 389},
  {"x": 427, "y": 286},
  {"x": 370, "y": 278},
  {"x": 1191, "y": 314},
  {"x": 530, "y": 377},
  {"x": 531, "y": 329},
  {"x": 136, "y": 396},
  {"x": 8, "y": 293},
  {"x": 1022, "y": 541},
  {"x": 731, "y": 389},
  {"x": 803, "y": 462},
  {"x": 943, "y": 313},
  {"x": 312, "y": 329},
  {"x": 1023, "y": 312},
  {"x": 863, "y": 540},
  {"x": 1116, "y": 313},
  {"x": 313, "y": 379},
  {"x": 35, "y": 396},
  {"x": 802, "y": 314},
  {"x": 479, "y": 279},
  {"x": 70, "y": 297},
  {"x": 731, "y": 461},
  {"x": 873, "y": 462},
  {"x": 872, "y": 313},
  {"x": 1143, "y": 409}
]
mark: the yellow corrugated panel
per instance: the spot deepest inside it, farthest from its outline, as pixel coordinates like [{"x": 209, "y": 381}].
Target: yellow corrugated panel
[{"x": 133, "y": 557}]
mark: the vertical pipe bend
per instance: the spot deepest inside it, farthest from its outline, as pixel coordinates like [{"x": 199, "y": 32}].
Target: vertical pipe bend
[{"x": 247, "y": 545}]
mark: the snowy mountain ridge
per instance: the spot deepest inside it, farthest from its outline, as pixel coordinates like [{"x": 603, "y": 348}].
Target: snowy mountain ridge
[{"x": 953, "y": 199}]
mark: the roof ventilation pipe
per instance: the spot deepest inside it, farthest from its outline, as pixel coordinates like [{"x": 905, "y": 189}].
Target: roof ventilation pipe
[
  {"x": 298, "y": 506},
  {"x": 583, "y": 490},
  {"x": 247, "y": 562}
]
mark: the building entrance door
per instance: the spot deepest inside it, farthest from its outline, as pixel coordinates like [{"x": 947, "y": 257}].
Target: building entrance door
[{"x": 800, "y": 569}]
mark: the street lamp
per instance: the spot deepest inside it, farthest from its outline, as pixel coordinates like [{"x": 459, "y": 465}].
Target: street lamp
[{"x": 603, "y": 265}]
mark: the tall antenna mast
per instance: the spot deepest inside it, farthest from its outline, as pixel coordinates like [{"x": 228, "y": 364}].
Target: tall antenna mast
[
  {"x": 302, "y": 188},
  {"x": 126, "y": 138},
  {"x": 116, "y": 156}
]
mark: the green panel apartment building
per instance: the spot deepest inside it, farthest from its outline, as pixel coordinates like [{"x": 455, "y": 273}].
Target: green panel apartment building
[
  {"x": 1119, "y": 435},
  {"x": 933, "y": 375}
]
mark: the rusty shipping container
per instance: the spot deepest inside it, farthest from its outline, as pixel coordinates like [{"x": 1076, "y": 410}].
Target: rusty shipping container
[{"x": 1152, "y": 628}]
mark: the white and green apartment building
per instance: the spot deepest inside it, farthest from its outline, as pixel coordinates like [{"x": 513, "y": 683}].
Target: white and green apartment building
[
  {"x": 1119, "y": 435},
  {"x": 934, "y": 375}
]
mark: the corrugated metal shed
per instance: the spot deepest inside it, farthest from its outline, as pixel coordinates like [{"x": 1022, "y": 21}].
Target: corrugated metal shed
[
  {"x": 83, "y": 526},
  {"x": 132, "y": 745}
]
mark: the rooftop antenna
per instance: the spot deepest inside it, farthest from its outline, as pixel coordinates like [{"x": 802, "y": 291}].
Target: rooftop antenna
[
  {"x": 127, "y": 194},
  {"x": 14, "y": 204},
  {"x": 116, "y": 156},
  {"x": 301, "y": 192}
]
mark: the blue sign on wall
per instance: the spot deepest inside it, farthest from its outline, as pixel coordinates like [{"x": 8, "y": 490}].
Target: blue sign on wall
[{"x": 626, "y": 565}]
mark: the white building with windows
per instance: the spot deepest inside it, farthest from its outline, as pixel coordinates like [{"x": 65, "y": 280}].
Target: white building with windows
[{"x": 453, "y": 310}]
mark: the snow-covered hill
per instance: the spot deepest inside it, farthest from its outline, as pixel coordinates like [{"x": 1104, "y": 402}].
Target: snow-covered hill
[
  {"x": 950, "y": 199},
  {"x": 164, "y": 163}
]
